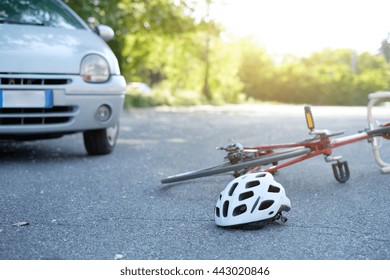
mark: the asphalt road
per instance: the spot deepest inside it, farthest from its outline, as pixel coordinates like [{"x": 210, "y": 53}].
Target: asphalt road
[{"x": 58, "y": 203}]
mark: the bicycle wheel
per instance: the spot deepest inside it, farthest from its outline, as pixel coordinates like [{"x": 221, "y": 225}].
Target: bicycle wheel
[{"x": 228, "y": 167}]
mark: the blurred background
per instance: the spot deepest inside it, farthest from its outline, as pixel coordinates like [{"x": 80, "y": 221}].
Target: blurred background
[{"x": 187, "y": 52}]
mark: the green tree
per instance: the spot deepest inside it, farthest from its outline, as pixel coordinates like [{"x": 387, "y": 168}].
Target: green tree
[
  {"x": 333, "y": 77},
  {"x": 137, "y": 18},
  {"x": 385, "y": 49},
  {"x": 170, "y": 44},
  {"x": 256, "y": 71}
]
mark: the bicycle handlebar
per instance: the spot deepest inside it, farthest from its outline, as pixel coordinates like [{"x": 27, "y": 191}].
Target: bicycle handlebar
[{"x": 375, "y": 98}]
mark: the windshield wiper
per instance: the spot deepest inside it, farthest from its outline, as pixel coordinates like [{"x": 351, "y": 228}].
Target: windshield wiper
[{"x": 10, "y": 21}]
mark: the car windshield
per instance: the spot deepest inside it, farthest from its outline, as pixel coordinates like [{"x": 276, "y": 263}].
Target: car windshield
[{"x": 43, "y": 12}]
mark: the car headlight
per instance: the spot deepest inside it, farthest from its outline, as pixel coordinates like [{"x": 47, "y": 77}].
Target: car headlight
[{"x": 94, "y": 69}]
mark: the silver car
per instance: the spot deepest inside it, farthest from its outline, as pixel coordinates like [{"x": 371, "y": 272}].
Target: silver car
[{"x": 57, "y": 76}]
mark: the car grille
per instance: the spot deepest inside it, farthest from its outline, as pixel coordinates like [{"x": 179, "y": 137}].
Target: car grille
[
  {"x": 33, "y": 81},
  {"x": 35, "y": 116}
]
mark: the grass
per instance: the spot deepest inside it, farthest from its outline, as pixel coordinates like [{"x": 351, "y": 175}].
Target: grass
[{"x": 163, "y": 96}]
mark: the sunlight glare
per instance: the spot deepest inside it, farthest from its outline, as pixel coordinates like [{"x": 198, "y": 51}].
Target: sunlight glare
[{"x": 304, "y": 26}]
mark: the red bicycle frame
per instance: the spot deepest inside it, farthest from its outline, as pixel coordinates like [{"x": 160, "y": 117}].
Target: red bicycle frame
[
  {"x": 323, "y": 145},
  {"x": 270, "y": 158}
]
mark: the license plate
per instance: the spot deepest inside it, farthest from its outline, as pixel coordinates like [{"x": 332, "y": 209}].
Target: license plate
[{"x": 26, "y": 99}]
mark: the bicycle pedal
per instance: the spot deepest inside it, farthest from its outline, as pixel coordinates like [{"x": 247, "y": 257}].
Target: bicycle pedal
[{"x": 341, "y": 171}]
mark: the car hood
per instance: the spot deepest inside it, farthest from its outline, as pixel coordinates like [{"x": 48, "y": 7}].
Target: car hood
[{"x": 36, "y": 49}]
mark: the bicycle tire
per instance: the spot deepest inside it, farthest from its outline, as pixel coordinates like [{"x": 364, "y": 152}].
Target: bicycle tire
[{"x": 228, "y": 167}]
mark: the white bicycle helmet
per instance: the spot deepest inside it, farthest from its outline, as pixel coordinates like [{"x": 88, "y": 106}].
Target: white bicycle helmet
[{"x": 251, "y": 198}]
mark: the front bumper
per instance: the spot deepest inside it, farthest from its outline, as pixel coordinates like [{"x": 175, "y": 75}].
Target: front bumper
[{"x": 74, "y": 105}]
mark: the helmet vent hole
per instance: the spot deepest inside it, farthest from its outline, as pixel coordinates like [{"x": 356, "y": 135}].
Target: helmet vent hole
[
  {"x": 266, "y": 204},
  {"x": 273, "y": 189},
  {"x": 232, "y": 189},
  {"x": 245, "y": 195},
  {"x": 241, "y": 209},
  {"x": 261, "y": 175},
  {"x": 252, "y": 184},
  {"x": 225, "y": 208},
  {"x": 217, "y": 212},
  {"x": 271, "y": 213}
]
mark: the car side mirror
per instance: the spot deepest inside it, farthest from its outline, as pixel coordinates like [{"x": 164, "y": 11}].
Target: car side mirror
[{"x": 104, "y": 31}]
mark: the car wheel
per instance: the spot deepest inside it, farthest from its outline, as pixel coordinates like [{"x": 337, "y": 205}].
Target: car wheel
[{"x": 101, "y": 141}]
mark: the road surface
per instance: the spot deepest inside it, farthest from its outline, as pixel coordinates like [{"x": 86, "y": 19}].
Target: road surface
[{"x": 58, "y": 203}]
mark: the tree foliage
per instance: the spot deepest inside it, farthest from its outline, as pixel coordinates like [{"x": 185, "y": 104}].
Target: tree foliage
[
  {"x": 175, "y": 48},
  {"x": 140, "y": 19},
  {"x": 334, "y": 77}
]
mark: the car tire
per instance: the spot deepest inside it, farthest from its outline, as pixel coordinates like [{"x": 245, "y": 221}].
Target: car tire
[{"x": 101, "y": 141}]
